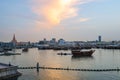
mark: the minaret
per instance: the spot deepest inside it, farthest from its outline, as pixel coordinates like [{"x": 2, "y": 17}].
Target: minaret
[{"x": 14, "y": 39}]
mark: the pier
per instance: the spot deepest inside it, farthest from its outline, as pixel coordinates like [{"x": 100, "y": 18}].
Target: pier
[
  {"x": 68, "y": 69},
  {"x": 8, "y": 71}
]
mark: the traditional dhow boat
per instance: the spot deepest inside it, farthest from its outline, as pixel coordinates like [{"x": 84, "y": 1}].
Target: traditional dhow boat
[{"x": 82, "y": 53}]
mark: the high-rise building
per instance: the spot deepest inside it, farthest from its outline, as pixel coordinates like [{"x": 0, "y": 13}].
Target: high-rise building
[{"x": 99, "y": 38}]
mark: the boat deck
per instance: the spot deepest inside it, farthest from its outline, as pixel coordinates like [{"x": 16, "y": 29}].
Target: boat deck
[{"x": 4, "y": 65}]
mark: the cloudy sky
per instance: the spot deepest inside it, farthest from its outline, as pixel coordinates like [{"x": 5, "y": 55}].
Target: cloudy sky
[{"x": 83, "y": 20}]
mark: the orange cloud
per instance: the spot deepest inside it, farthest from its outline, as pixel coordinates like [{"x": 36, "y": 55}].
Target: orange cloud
[{"x": 52, "y": 12}]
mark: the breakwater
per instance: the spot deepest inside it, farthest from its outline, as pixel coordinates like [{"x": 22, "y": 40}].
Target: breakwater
[{"x": 70, "y": 69}]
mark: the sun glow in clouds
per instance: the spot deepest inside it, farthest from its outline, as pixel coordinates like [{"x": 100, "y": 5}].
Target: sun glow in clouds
[
  {"x": 64, "y": 2},
  {"x": 52, "y": 12}
]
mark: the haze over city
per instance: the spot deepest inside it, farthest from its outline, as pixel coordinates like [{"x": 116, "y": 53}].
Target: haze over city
[{"x": 33, "y": 20}]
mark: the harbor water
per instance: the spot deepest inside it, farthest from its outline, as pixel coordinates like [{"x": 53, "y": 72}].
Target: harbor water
[{"x": 101, "y": 59}]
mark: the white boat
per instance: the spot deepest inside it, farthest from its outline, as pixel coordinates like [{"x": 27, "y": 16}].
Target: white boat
[{"x": 9, "y": 53}]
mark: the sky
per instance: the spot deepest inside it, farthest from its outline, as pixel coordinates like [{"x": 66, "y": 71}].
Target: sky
[{"x": 72, "y": 20}]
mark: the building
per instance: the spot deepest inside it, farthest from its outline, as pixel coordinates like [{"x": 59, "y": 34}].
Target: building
[
  {"x": 53, "y": 42},
  {"x": 14, "y": 41},
  {"x": 6, "y": 45},
  {"x": 61, "y": 42},
  {"x": 99, "y": 38}
]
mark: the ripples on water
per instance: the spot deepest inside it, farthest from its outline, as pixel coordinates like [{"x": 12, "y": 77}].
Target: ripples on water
[{"x": 101, "y": 59}]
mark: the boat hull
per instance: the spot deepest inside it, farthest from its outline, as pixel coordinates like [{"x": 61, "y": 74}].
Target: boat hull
[
  {"x": 82, "y": 53},
  {"x": 25, "y": 50}
]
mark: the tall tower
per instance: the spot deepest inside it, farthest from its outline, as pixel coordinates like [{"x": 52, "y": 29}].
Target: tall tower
[
  {"x": 14, "y": 39},
  {"x": 99, "y": 38}
]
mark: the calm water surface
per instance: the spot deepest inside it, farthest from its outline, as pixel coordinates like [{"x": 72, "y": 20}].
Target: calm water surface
[{"x": 101, "y": 59}]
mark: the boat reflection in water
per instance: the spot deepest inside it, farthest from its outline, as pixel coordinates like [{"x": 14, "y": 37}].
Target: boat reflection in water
[{"x": 78, "y": 58}]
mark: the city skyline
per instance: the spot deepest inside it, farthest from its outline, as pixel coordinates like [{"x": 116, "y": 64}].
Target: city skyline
[{"x": 72, "y": 20}]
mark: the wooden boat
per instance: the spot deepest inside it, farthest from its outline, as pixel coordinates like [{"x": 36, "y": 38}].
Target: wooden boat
[
  {"x": 25, "y": 49},
  {"x": 82, "y": 53},
  {"x": 63, "y": 53}
]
